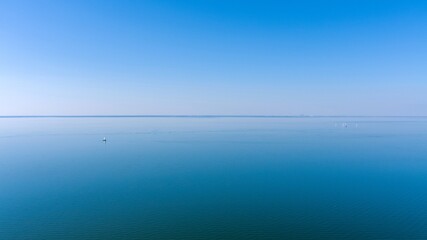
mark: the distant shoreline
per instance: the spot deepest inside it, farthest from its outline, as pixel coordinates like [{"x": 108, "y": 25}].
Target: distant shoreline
[{"x": 201, "y": 116}]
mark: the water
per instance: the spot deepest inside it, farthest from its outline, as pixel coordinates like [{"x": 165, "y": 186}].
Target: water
[{"x": 213, "y": 178}]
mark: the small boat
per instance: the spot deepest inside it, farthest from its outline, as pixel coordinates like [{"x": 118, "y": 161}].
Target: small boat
[{"x": 104, "y": 140}]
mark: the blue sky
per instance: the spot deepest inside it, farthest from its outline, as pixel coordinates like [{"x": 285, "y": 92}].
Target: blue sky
[{"x": 213, "y": 57}]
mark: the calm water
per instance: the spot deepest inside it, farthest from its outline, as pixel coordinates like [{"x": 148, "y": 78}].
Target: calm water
[{"x": 213, "y": 178}]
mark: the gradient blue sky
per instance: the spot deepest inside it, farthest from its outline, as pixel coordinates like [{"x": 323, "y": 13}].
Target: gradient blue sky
[{"x": 213, "y": 57}]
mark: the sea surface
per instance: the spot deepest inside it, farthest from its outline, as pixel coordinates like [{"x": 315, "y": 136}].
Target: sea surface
[{"x": 213, "y": 178}]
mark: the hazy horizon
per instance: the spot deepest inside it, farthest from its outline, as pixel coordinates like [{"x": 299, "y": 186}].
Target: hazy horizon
[
  {"x": 322, "y": 58},
  {"x": 209, "y": 116}
]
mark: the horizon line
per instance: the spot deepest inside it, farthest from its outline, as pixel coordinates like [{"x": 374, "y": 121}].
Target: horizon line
[{"x": 206, "y": 116}]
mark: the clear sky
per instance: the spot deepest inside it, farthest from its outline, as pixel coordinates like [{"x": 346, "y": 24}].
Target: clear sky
[{"x": 363, "y": 57}]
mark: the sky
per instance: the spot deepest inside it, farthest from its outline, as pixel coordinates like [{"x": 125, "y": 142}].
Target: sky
[{"x": 231, "y": 57}]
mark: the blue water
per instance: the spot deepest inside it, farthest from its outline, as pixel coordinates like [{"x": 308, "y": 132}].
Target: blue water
[{"x": 213, "y": 178}]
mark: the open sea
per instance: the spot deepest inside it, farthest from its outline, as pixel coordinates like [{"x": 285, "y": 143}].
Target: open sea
[{"x": 213, "y": 178}]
